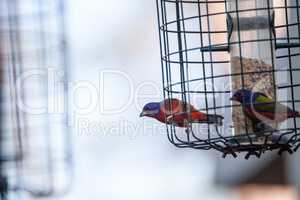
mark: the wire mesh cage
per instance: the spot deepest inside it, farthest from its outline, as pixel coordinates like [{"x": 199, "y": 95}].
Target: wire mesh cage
[
  {"x": 35, "y": 147},
  {"x": 235, "y": 58}
]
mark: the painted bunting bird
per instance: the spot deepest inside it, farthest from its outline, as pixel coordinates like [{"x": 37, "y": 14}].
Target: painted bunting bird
[
  {"x": 260, "y": 108},
  {"x": 179, "y": 113}
]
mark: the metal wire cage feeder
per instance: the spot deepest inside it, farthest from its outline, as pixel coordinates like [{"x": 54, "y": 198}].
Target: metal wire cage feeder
[
  {"x": 35, "y": 146},
  {"x": 202, "y": 40}
]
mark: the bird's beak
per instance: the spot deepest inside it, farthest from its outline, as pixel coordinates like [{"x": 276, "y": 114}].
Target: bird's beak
[
  {"x": 142, "y": 114},
  {"x": 231, "y": 99}
]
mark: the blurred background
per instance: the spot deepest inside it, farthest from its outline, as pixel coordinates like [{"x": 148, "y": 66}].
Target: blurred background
[{"x": 101, "y": 60}]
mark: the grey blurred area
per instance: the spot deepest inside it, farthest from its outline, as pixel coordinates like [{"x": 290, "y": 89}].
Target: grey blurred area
[{"x": 35, "y": 144}]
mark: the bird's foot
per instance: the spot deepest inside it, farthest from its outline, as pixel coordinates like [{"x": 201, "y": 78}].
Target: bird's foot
[
  {"x": 253, "y": 153},
  {"x": 286, "y": 148},
  {"x": 231, "y": 152},
  {"x": 297, "y": 147},
  {"x": 262, "y": 127}
]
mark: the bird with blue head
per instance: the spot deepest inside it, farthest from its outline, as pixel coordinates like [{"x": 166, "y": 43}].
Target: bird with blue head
[
  {"x": 179, "y": 113},
  {"x": 151, "y": 109},
  {"x": 259, "y": 107}
]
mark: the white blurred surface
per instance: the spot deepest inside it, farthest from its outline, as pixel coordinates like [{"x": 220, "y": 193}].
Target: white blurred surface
[{"x": 113, "y": 162}]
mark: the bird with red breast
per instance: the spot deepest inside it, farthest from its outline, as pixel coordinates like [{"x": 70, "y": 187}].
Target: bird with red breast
[{"x": 178, "y": 113}]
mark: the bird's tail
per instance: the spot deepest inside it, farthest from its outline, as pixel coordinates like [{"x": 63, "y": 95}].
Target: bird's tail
[
  {"x": 297, "y": 114},
  {"x": 215, "y": 119}
]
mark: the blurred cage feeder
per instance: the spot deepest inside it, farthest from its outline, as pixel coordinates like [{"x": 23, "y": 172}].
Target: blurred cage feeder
[
  {"x": 199, "y": 40},
  {"x": 35, "y": 146}
]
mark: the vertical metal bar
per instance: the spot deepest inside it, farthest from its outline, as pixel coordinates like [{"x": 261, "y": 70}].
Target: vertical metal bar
[
  {"x": 3, "y": 180},
  {"x": 14, "y": 69},
  {"x": 68, "y": 148},
  {"x": 159, "y": 11},
  {"x": 241, "y": 61},
  {"x": 203, "y": 62},
  {"x": 186, "y": 81},
  {"x": 289, "y": 58},
  {"x": 180, "y": 52},
  {"x": 171, "y": 130}
]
